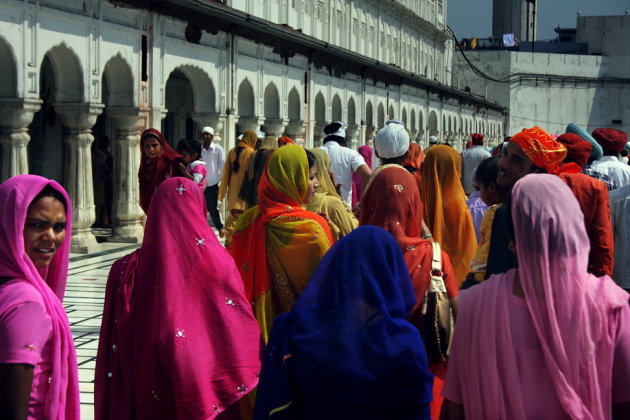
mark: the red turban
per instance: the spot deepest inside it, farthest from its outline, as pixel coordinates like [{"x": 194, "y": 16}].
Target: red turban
[
  {"x": 477, "y": 139},
  {"x": 284, "y": 140},
  {"x": 611, "y": 139},
  {"x": 541, "y": 148},
  {"x": 578, "y": 149}
]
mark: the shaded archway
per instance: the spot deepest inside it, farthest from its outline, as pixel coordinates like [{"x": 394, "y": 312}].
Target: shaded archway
[
  {"x": 336, "y": 109},
  {"x": 352, "y": 112},
  {"x": 391, "y": 114},
  {"x": 271, "y": 102},
  {"x": 295, "y": 105},
  {"x": 404, "y": 116},
  {"x": 178, "y": 123},
  {"x": 245, "y": 99},
  {"x": 369, "y": 117},
  {"x": 380, "y": 116},
  {"x": 8, "y": 71},
  {"x": 320, "y": 108},
  {"x": 433, "y": 123}
]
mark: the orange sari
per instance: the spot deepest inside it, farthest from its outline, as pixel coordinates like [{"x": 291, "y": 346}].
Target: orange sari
[
  {"x": 445, "y": 210},
  {"x": 277, "y": 244}
]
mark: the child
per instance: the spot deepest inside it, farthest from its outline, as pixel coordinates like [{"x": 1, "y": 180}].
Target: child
[
  {"x": 195, "y": 169},
  {"x": 493, "y": 196}
]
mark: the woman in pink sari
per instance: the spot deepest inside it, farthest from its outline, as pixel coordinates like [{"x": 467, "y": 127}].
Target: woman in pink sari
[
  {"x": 546, "y": 339},
  {"x": 38, "y": 364},
  {"x": 357, "y": 183},
  {"x": 178, "y": 338}
]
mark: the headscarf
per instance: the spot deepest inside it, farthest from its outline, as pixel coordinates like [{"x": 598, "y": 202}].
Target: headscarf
[
  {"x": 268, "y": 143},
  {"x": 284, "y": 140},
  {"x": 415, "y": 156},
  {"x": 596, "y": 151},
  {"x": 153, "y": 171},
  {"x": 346, "y": 349},
  {"x": 323, "y": 164},
  {"x": 571, "y": 312},
  {"x": 195, "y": 342},
  {"x": 578, "y": 149},
  {"x": 278, "y": 238},
  {"x": 445, "y": 209},
  {"x": 541, "y": 148},
  {"x": 391, "y": 201},
  {"x": 16, "y": 195},
  {"x": 611, "y": 139},
  {"x": 357, "y": 182}
]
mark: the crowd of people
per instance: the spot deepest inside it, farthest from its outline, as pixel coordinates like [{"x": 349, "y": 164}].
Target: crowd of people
[{"x": 326, "y": 297}]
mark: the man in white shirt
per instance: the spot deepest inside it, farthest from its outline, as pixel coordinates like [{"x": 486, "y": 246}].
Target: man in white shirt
[
  {"x": 214, "y": 156},
  {"x": 344, "y": 161},
  {"x": 471, "y": 158},
  {"x": 612, "y": 142}
]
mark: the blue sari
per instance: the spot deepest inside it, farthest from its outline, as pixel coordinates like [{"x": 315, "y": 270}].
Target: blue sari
[{"x": 346, "y": 349}]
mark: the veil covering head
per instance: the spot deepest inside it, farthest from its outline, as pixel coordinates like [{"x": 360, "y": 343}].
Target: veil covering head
[
  {"x": 153, "y": 171},
  {"x": 16, "y": 195},
  {"x": 346, "y": 349},
  {"x": 197, "y": 343}
]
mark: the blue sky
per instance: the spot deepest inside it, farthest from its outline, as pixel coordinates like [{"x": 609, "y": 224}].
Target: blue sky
[{"x": 470, "y": 18}]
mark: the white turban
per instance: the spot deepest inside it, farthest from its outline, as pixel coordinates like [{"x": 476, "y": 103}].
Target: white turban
[
  {"x": 208, "y": 130},
  {"x": 391, "y": 141},
  {"x": 432, "y": 139}
]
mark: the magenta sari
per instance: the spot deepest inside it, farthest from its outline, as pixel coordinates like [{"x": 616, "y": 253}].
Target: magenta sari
[
  {"x": 179, "y": 338},
  {"x": 16, "y": 194},
  {"x": 357, "y": 182}
]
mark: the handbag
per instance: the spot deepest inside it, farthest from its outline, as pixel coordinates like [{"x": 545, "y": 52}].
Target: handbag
[{"x": 437, "y": 318}]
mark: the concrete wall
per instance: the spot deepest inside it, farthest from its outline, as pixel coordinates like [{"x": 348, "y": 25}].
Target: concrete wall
[
  {"x": 552, "y": 90},
  {"x": 606, "y": 35}
]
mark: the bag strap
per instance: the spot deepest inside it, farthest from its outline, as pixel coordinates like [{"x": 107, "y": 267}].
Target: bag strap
[{"x": 437, "y": 279}]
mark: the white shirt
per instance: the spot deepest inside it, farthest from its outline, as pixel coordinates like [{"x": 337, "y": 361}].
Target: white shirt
[
  {"x": 620, "y": 212},
  {"x": 611, "y": 166},
  {"x": 471, "y": 158},
  {"x": 214, "y": 157},
  {"x": 343, "y": 162}
]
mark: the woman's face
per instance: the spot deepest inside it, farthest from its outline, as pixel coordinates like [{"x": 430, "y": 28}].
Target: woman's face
[
  {"x": 152, "y": 147},
  {"x": 44, "y": 230},
  {"x": 313, "y": 184}
]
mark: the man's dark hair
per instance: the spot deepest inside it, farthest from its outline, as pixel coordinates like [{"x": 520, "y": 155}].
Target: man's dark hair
[{"x": 333, "y": 128}]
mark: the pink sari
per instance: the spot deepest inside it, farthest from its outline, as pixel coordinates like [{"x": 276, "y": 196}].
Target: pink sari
[
  {"x": 573, "y": 313},
  {"x": 178, "y": 339},
  {"x": 16, "y": 194},
  {"x": 357, "y": 182}
]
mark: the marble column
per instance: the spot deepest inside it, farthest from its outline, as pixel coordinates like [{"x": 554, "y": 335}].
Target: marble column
[
  {"x": 352, "y": 132},
  {"x": 274, "y": 127},
  {"x": 126, "y": 211},
  {"x": 318, "y": 133},
  {"x": 370, "y": 130},
  {"x": 15, "y": 116},
  {"x": 78, "y": 120},
  {"x": 249, "y": 123},
  {"x": 296, "y": 130}
]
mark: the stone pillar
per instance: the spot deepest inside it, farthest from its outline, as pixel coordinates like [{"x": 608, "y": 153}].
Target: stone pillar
[
  {"x": 318, "y": 133},
  {"x": 370, "y": 130},
  {"x": 126, "y": 211},
  {"x": 352, "y": 132},
  {"x": 15, "y": 116},
  {"x": 78, "y": 119},
  {"x": 274, "y": 127},
  {"x": 362, "y": 133},
  {"x": 296, "y": 130},
  {"x": 249, "y": 123}
]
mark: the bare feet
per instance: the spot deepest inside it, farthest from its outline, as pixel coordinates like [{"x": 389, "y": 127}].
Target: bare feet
[{"x": 222, "y": 233}]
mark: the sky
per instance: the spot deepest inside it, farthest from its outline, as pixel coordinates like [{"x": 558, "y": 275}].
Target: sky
[{"x": 473, "y": 18}]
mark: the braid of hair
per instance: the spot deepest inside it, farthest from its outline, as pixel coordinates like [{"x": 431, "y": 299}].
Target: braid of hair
[{"x": 236, "y": 165}]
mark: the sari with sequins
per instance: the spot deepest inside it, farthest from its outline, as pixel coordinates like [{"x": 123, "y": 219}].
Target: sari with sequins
[
  {"x": 178, "y": 337},
  {"x": 277, "y": 244}
]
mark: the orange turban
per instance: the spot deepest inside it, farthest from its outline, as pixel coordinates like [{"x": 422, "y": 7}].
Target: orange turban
[{"x": 541, "y": 148}]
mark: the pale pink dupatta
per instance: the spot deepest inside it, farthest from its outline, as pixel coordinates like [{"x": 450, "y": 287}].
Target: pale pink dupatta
[
  {"x": 192, "y": 335},
  {"x": 16, "y": 194},
  {"x": 572, "y": 311}
]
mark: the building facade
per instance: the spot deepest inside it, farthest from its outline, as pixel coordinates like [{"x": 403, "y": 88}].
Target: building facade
[{"x": 73, "y": 70}]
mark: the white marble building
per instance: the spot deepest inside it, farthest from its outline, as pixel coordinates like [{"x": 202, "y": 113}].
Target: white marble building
[
  {"x": 74, "y": 69},
  {"x": 552, "y": 90}
]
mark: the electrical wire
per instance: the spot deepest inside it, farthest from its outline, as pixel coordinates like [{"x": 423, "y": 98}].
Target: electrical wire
[{"x": 524, "y": 77}]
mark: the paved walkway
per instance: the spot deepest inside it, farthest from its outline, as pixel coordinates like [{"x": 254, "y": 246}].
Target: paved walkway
[{"x": 85, "y": 294}]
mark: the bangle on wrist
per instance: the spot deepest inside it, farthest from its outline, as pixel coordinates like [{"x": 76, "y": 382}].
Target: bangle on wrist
[{"x": 427, "y": 236}]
